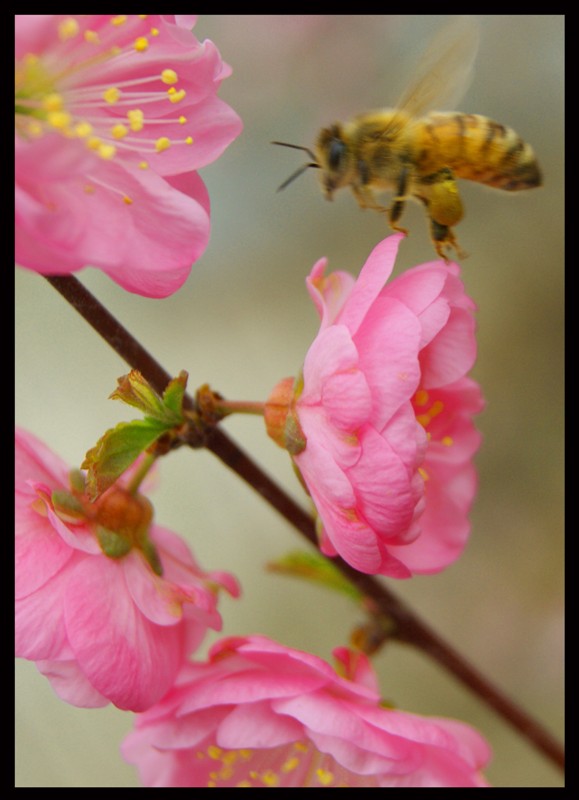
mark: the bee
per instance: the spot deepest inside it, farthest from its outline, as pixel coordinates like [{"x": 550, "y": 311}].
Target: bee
[{"x": 418, "y": 152}]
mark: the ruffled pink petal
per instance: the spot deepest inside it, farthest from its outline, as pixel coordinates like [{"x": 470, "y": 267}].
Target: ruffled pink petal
[
  {"x": 257, "y": 725},
  {"x": 373, "y": 276},
  {"x": 124, "y": 656},
  {"x": 71, "y": 684}
]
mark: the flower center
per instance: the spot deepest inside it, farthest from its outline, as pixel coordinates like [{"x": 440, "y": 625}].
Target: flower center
[{"x": 67, "y": 90}]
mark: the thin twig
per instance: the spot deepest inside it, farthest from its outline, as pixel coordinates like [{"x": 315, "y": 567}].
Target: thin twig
[{"x": 409, "y": 627}]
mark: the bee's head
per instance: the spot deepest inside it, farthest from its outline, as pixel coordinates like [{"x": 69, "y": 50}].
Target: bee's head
[{"x": 333, "y": 156}]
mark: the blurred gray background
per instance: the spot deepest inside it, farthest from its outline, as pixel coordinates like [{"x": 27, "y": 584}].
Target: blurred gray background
[{"x": 243, "y": 321}]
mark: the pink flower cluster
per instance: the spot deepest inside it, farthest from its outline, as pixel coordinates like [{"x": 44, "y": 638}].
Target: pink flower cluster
[
  {"x": 257, "y": 714},
  {"x": 114, "y": 116},
  {"x": 102, "y": 629},
  {"x": 379, "y": 424}
]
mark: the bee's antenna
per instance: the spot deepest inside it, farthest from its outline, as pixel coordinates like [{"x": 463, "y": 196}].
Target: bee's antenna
[{"x": 303, "y": 168}]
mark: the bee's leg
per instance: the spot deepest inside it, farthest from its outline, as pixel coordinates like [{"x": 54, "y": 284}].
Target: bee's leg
[
  {"x": 439, "y": 193},
  {"x": 366, "y": 199},
  {"x": 397, "y": 207}
]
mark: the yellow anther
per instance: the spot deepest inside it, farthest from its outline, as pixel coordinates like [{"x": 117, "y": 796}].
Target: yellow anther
[
  {"x": 53, "y": 102},
  {"x": 119, "y": 131},
  {"x": 169, "y": 76},
  {"x": 127, "y": 200},
  {"x": 83, "y": 129},
  {"x": 423, "y": 419},
  {"x": 141, "y": 44},
  {"x": 423, "y": 473},
  {"x": 436, "y": 408},
  {"x": 189, "y": 140},
  {"x": 182, "y": 120},
  {"x": 136, "y": 119},
  {"x": 214, "y": 752},
  {"x": 67, "y": 29},
  {"x": 324, "y": 776},
  {"x": 120, "y": 19},
  {"x": 143, "y": 165},
  {"x": 163, "y": 143},
  {"x": 421, "y": 397},
  {"x": 270, "y": 778},
  {"x": 290, "y": 764},
  {"x": 154, "y": 31},
  {"x": 447, "y": 441},
  {"x": 112, "y": 95},
  {"x": 91, "y": 37},
  {"x": 176, "y": 96},
  {"x": 59, "y": 119},
  {"x": 107, "y": 151}
]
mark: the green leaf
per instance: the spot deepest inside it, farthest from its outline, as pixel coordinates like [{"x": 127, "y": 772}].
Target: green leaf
[
  {"x": 134, "y": 390},
  {"x": 316, "y": 568},
  {"x": 116, "y": 450},
  {"x": 174, "y": 393}
]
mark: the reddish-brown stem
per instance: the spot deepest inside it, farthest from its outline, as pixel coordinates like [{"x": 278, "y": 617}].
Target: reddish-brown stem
[{"x": 409, "y": 628}]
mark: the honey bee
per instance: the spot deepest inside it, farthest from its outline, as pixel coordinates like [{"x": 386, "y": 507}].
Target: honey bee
[{"x": 417, "y": 152}]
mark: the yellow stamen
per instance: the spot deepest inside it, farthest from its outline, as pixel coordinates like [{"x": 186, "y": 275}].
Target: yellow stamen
[
  {"x": 162, "y": 144},
  {"x": 119, "y": 131},
  {"x": 176, "y": 96},
  {"x": 111, "y": 95},
  {"x": 67, "y": 29},
  {"x": 141, "y": 44},
  {"x": 91, "y": 37},
  {"x": 324, "y": 776},
  {"x": 169, "y": 76},
  {"x": 421, "y": 397},
  {"x": 127, "y": 201},
  {"x": 136, "y": 119},
  {"x": 119, "y": 20},
  {"x": 447, "y": 441}
]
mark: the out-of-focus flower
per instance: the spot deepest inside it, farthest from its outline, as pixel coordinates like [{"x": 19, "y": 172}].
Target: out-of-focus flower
[
  {"x": 258, "y": 714},
  {"x": 108, "y": 605},
  {"x": 114, "y": 116},
  {"x": 379, "y": 423}
]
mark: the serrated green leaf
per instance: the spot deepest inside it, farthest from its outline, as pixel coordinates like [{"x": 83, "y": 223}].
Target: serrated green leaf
[
  {"x": 136, "y": 391},
  {"x": 116, "y": 450},
  {"x": 316, "y": 568}
]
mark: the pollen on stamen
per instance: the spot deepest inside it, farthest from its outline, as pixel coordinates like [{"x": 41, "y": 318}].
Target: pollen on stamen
[
  {"x": 325, "y": 777},
  {"x": 447, "y": 441},
  {"x": 112, "y": 95},
  {"x": 169, "y": 76},
  {"x": 154, "y": 31},
  {"x": 120, "y": 19},
  {"x": 119, "y": 131},
  {"x": 163, "y": 143},
  {"x": 176, "y": 96},
  {"x": 141, "y": 44},
  {"x": 91, "y": 37},
  {"x": 68, "y": 29},
  {"x": 136, "y": 119},
  {"x": 127, "y": 200}
]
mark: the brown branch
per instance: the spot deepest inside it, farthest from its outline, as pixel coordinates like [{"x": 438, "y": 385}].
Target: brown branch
[{"x": 408, "y": 627}]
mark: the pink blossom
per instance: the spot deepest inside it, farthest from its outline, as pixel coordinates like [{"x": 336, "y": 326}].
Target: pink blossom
[
  {"x": 258, "y": 714},
  {"x": 379, "y": 424},
  {"x": 114, "y": 116},
  {"x": 103, "y": 629}
]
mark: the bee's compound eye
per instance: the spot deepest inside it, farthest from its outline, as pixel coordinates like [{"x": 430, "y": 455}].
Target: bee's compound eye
[{"x": 336, "y": 152}]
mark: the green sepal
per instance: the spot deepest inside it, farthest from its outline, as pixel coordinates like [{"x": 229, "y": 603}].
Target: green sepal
[
  {"x": 67, "y": 505},
  {"x": 116, "y": 450},
  {"x": 112, "y": 544},
  {"x": 151, "y": 555},
  {"x": 134, "y": 390},
  {"x": 316, "y": 568}
]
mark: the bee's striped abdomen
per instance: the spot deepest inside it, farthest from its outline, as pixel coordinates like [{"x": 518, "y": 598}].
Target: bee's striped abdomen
[{"x": 478, "y": 149}]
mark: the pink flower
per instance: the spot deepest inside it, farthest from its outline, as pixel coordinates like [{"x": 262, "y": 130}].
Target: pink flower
[
  {"x": 114, "y": 116},
  {"x": 379, "y": 424},
  {"x": 103, "y": 629},
  {"x": 258, "y": 714}
]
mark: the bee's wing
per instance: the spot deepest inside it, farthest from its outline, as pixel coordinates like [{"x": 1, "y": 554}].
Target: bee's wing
[{"x": 444, "y": 71}]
